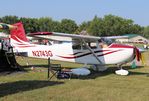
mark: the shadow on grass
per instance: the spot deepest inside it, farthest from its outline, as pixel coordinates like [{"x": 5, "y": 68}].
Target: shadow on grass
[
  {"x": 133, "y": 72},
  {"x": 20, "y": 86},
  {"x": 111, "y": 70},
  {"x": 14, "y": 71},
  {"x": 4, "y": 73},
  {"x": 29, "y": 66},
  {"x": 95, "y": 74},
  {"x": 137, "y": 73}
]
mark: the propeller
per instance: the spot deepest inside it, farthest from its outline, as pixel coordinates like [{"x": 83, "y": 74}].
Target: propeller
[{"x": 139, "y": 55}]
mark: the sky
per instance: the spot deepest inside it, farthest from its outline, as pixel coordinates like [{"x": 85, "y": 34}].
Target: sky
[{"x": 77, "y": 10}]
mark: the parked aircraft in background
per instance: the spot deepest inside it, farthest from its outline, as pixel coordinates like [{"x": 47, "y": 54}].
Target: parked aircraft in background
[{"x": 4, "y": 36}]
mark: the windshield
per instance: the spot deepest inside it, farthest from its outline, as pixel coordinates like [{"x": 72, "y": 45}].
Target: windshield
[{"x": 107, "y": 41}]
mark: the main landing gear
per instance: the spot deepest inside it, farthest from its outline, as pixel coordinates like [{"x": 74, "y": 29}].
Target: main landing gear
[
  {"x": 99, "y": 68},
  {"x": 121, "y": 71}
]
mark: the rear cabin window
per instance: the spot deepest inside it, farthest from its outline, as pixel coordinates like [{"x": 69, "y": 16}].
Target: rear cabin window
[
  {"x": 82, "y": 46},
  {"x": 76, "y": 46},
  {"x": 93, "y": 45}
]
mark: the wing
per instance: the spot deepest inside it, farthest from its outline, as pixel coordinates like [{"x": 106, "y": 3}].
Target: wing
[
  {"x": 69, "y": 37},
  {"x": 7, "y": 26},
  {"x": 62, "y": 36},
  {"x": 115, "y": 37}
]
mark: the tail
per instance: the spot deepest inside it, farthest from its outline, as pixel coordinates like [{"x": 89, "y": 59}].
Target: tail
[
  {"x": 18, "y": 37},
  {"x": 18, "y": 34}
]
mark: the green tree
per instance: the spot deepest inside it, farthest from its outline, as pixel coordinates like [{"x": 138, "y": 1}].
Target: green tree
[
  {"x": 10, "y": 19},
  {"x": 95, "y": 27},
  {"x": 30, "y": 24},
  {"x": 146, "y": 32},
  {"x": 110, "y": 25},
  {"x": 68, "y": 26},
  {"x": 114, "y": 25},
  {"x": 82, "y": 27},
  {"x": 45, "y": 24},
  {"x": 55, "y": 26},
  {"x": 137, "y": 29}
]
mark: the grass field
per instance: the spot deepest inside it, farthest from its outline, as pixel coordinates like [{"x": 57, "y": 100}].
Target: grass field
[{"x": 103, "y": 86}]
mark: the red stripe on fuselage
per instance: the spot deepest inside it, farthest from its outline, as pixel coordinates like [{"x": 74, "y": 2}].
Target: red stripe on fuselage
[
  {"x": 120, "y": 46},
  {"x": 72, "y": 57}
]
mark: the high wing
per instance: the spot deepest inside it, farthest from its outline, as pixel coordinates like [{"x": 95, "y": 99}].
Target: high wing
[
  {"x": 69, "y": 37},
  {"x": 62, "y": 36}
]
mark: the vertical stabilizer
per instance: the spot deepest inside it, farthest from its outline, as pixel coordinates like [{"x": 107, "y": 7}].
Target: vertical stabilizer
[{"x": 18, "y": 34}]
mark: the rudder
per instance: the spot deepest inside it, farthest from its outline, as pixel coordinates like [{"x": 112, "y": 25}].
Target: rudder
[{"x": 18, "y": 33}]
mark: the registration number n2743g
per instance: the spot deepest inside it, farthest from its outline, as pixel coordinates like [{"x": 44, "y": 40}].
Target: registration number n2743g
[{"x": 41, "y": 53}]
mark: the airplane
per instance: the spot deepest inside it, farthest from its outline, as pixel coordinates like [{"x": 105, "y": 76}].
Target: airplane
[{"x": 74, "y": 48}]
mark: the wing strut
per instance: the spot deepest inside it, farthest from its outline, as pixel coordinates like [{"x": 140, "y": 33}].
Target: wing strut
[{"x": 92, "y": 51}]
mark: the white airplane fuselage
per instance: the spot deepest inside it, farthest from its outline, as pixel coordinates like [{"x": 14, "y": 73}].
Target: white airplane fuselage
[{"x": 64, "y": 52}]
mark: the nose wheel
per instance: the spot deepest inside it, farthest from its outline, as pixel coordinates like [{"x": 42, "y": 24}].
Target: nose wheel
[{"x": 121, "y": 71}]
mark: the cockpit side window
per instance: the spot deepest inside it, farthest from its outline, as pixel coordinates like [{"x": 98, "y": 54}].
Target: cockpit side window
[
  {"x": 107, "y": 41},
  {"x": 82, "y": 46},
  {"x": 104, "y": 43},
  {"x": 57, "y": 42}
]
